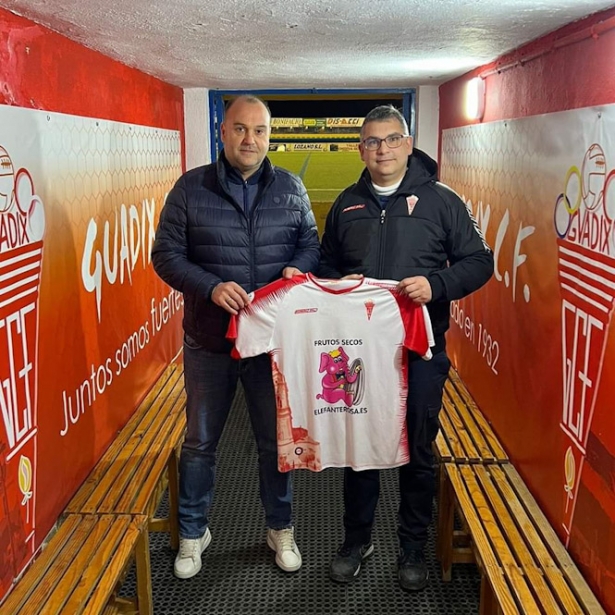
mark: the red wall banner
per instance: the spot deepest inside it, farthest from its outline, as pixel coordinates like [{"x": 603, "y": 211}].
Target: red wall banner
[
  {"x": 85, "y": 324},
  {"x": 524, "y": 181},
  {"x": 535, "y": 344}
]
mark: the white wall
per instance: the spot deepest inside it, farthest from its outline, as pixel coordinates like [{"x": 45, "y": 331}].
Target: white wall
[
  {"x": 196, "y": 126},
  {"x": 428, "y": 111}
]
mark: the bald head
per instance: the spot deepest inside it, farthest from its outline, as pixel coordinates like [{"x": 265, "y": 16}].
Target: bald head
[{"x": 247, "y": 98}]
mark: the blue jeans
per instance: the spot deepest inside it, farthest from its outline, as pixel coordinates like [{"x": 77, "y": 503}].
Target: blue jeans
[
  {"x": 417, "y": 478},
  {"x": 211, "y": 382}
]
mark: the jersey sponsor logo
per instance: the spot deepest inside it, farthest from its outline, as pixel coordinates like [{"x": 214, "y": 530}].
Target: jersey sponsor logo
[
  {"x": 411, "y": 201},
  {"x": 343, "y": 380},
  {"x": 306, "y": 311},
  {"x": 362, "y": 206}
]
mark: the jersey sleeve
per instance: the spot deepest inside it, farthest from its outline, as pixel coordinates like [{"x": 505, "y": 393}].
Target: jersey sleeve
[
  {"x": 252, "y": 329},
  {"x": 417, "y": 325}
]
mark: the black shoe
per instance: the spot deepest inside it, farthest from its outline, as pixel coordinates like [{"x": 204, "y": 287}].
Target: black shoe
[
  {"x": 346, "y": 565},
  {"x": 412, "y": 570}
]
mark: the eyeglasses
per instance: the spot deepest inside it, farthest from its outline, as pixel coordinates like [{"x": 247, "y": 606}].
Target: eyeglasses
[{"x": 392, "y": 141}]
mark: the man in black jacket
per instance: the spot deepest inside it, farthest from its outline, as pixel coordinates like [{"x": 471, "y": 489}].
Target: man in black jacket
[
  {"x": 227, "y": 229},
  {"x": 399, "y": 223}
]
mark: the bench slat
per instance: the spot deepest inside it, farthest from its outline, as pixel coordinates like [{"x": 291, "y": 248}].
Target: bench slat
[
  {"x": 100, "y": 479},
  {"x": 80, "y": 568},
  {"x": 144, "y": 480},
  {"x": 535, "y": 544},
  {"x": 452, "y": 439},
  {"x": 500, "y": 546},
  {"x": 117, "y": 564},
  {"x": 97, "y": 562},
  {"x": 576, "y": 582},
  {"x": 149, "y": 484},
  {"x": 74, "y": 569},
  {"x": 113, "y": 472},
  {"x": 489, "y": 561},
  {"x": 494, "y": 443},
  {"x": 471, "y": 426},
  {"x": 39, "y": 568},
  {"x": 141, "y": 454},
  {"x": 60, "y": 563},
  {"x": 460, "y": 430},
  {"x": 518, "y": 544},
  {"x": 442, "y": 448}
]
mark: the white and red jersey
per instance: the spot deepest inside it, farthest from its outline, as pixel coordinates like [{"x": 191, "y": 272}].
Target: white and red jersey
[{"x": 339, "y": 367}]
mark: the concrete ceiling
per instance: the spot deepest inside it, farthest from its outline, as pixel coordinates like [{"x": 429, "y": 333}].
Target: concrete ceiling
[{"x": 252, "y": 44}]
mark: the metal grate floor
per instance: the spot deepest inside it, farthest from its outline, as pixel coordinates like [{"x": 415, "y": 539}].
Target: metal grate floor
[{"x": 239, "y": 575}]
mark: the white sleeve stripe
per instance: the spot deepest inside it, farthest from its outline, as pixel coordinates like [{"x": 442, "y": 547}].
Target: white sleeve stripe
[{"x": 477, "y": 228}]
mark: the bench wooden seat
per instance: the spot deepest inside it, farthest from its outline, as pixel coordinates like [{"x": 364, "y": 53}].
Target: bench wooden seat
[
  {"x": 524, "y": 566},
  {"x": 131, "y": 476},
  {"x": 465, "y": 435},
  {"x": 79, "y": 570}
]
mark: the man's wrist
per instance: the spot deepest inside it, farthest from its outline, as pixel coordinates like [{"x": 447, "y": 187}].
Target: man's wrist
[
  {"x": 211, "y": 291},
  {"x": 438, "y": 289}
]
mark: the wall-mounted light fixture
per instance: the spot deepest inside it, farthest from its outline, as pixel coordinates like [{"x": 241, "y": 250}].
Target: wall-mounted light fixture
[{"x": 475, "y": 98}]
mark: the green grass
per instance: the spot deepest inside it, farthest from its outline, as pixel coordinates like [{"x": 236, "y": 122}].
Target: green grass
[
  {"x": 292, "y": 161},
  {"x": 325, "y": 175}
]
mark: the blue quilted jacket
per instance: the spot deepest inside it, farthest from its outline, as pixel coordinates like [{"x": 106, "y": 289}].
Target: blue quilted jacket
[{"x": 204, "y": 238}]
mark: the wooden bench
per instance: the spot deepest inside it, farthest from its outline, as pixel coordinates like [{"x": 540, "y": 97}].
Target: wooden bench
[
  {"x": 524, "y": 566},
  {"x": 132, "y": 475},
  {"x": 79, "y": 570},
  {"x": 465, "y": 435},
  {"x": 108, "y": 521}
]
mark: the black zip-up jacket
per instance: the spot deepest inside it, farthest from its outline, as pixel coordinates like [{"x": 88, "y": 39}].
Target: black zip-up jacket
[
  {"x": 436, "y": 238},
  {"x": 204, "y": 237}
]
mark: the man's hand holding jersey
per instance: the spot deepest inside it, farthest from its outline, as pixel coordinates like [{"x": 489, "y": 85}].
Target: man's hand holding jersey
[{"x": 417, "y": 288}]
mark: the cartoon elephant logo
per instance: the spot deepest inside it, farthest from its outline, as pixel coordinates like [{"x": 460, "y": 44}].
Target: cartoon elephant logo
[{"x": 341, "y": 381}]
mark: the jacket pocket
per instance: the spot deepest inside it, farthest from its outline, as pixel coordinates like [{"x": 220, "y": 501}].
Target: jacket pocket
[{"x": 190, "y": 343}]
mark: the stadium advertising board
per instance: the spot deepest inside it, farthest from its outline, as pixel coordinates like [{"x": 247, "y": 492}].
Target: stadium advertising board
[
  {"x": 347, "y": 147},
  {"x": 301, "y": 147},
  {"x": 287, "y": 122},
  {"x": 344, "y": 122}
]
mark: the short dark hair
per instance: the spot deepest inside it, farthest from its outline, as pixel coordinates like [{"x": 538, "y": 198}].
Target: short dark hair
[
  {"x": 249, "y": 98},
  {"x": 384, "y": 113}
]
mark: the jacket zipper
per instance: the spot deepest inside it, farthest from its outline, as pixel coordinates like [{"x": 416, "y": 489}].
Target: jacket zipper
[
  {"x": 257, "y": 200},
  {"x": 382, "y": 229},
  {"x": 250, "y": 235}
]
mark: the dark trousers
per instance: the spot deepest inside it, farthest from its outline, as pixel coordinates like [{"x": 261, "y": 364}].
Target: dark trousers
[
  {"x": 416, "y": 479},
  {"x": 211, "y": 381}
]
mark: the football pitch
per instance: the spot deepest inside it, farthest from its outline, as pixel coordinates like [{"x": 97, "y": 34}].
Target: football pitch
[{"x": 325, "y": 175}]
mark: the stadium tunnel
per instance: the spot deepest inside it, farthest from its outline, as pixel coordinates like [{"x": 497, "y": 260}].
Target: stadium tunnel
[{"x": 103, "y": 105}]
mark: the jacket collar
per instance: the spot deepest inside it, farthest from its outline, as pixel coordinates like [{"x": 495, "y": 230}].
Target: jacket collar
[{"x": 223, "y": 168}]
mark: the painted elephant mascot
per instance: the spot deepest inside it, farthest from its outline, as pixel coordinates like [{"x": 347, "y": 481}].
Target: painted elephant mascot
[{"x": 341, "y": 380}]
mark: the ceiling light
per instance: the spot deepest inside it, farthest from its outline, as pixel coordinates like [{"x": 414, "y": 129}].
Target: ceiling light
[{"x": 475, "y": 99}]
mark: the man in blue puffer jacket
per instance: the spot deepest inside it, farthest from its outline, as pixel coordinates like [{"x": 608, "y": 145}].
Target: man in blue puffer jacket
[{"x": 227, "y": 229}]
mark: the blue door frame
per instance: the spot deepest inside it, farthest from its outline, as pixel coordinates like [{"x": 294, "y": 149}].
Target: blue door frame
[{"x": 216, "y": 105}]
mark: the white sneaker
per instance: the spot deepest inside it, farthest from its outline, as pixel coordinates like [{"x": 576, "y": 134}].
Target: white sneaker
[
  {"x": 287, "y": 555},
  {"x": 188, "y": 560}
]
